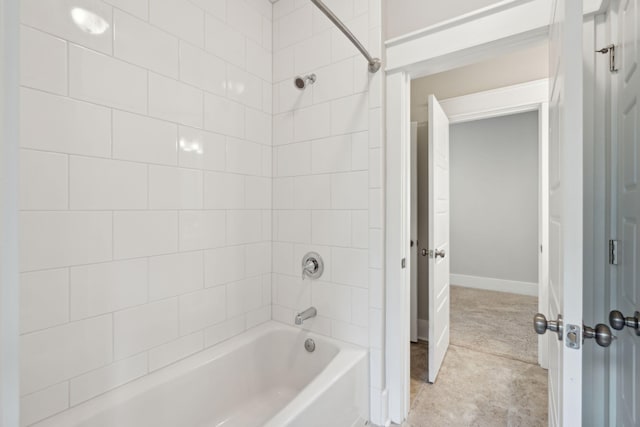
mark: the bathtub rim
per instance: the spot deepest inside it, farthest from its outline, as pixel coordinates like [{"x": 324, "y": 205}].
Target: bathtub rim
[
  {"x": 348, "y": 355},
  {"x": 341, "y": 364}
]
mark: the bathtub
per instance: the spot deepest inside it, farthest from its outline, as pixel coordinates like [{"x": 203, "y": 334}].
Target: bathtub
[{"x": 263, "y": 377}]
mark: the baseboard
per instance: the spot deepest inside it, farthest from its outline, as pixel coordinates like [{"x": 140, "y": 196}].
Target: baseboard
[
  {"x": 490, "y": 284},
  {"x": 423, "y": 329}
]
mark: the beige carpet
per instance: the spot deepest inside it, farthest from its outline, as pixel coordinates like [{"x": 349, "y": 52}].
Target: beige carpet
[
  {"x": 494, "y": 322},
  {"x": 496, "y": 384}
]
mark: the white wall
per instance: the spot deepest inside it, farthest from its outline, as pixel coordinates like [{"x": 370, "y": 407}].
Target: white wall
[
  {"x": 9, "y": 288},
  {"x": 327, "y": 188},
  {"x": 406, "y": 16},
  {"x": 521, "y": 66},
  {"x": 145, "y": 189},
  {"x": 494, "y": 198}
]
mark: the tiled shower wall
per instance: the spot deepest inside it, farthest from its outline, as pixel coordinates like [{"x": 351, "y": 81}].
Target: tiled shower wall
[
  {"x": 145, "y": 188},
  {"x": 327, "y": 185}
]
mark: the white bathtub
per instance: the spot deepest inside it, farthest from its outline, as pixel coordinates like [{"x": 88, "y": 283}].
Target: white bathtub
[{"x": 264, "y": 377}]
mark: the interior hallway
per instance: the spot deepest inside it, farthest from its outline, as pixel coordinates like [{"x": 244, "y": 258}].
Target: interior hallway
[{"x": 490, "y": 376}]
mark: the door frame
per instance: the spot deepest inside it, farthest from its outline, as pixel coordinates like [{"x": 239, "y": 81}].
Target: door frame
[
  {"x": 504, "y": 27},
  {"x": 520, "y": 98}
]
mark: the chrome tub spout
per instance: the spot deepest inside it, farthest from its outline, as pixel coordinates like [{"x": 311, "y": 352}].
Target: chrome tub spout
[{"x": 307, "y": 314}]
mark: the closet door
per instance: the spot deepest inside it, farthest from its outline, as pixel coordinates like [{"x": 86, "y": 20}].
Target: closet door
[{"x": 627, "y": 301}]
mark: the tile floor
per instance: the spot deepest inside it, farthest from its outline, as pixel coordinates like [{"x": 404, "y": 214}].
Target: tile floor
[{"x": 487, "y": 379}]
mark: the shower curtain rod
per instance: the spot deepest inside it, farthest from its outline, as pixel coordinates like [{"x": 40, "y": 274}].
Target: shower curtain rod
[{"x": 374, "y": 63}]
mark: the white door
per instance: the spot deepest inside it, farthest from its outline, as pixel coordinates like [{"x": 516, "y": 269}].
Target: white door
[
  {"x": 438, "y": 237},
  {"x": 627, "y": 399},
  {"x": 414, "y": 232},
  {"x": 565, "y": 212}
]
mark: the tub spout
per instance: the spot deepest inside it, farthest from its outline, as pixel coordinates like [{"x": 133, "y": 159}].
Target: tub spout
[{"x": 307, "y": 314}]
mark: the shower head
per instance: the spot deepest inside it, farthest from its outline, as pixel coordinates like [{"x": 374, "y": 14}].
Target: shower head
[{"x": 302, "y": 82}]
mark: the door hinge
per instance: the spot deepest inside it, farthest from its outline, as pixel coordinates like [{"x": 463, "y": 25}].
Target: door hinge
[
  {"x": 613, "y": 252},
  {"x": 403, "y": 263},
  {"x": 611, "y": 50}
]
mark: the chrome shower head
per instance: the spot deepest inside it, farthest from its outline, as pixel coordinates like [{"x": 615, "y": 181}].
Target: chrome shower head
[{"x": 302, "y": 82}]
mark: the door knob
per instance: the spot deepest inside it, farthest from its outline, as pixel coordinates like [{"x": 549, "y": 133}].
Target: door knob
[
  {"x": 438, "y": 253},
  {"x": 618, "y": 321},
  {"x": 601, "y": 333},
  {"x": 542, "y": 325}
]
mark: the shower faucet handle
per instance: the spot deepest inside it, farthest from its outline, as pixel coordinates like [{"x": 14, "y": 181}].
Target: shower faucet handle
[{"x": 312, "y": 266}]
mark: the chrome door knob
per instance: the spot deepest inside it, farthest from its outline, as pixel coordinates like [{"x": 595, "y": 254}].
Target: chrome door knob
[
  {"x": 542, "y": 325},
  {"x": 602, "y": 334},
  {"x": 618, "y": 321},
  {"x": 440, "y": 253}
]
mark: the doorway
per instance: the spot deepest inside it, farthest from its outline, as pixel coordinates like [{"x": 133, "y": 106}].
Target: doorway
[
  {"x": 493, "y": 254},
  {"x": 527, "y": 99},
  {"x": 495, "y": 232},
  {"x": 405, "y": 61}
]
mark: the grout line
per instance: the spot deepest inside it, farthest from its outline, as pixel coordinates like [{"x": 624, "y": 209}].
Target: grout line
[
  {"x": 149, "y": 72},
  {"x": 148, "y": 277},
  {"x": 68, "y": 66},
  {"x": 131, "y": 210},
  {"x": 148, "y": 97},
  {"x": 139, "y": 162},
  {"x": 148, "y": 186},
  {"x": 137, "y": 306},
  {"x": 112, "y": 128},
  {"x": 113, "y": 335},
  {"x": 69, "y": 296},
  {"x": 167, "y": 121},
  {"x": 204, "y": 28},
  {"x": 205, "y": 13},
  {"x": 138, "y": 258},
  {"x": 68, "y": 184},
  {"x": 113, "y": 237}
]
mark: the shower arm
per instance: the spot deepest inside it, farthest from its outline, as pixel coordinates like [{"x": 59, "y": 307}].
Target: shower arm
[{"x": 374, "y": 63}]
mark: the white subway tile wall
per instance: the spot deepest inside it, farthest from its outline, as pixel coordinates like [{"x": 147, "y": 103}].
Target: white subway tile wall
[
  {"x": 327, "y": 176},
  {"x": 173, "y": 178},
  {"x": 145, "y": 191}
]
